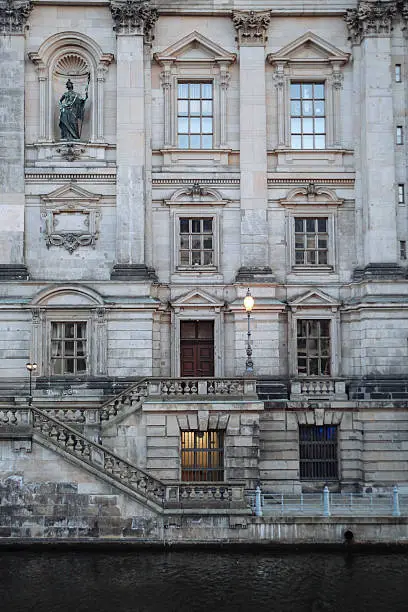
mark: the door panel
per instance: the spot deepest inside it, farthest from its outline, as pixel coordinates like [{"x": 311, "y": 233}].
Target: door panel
[{"x": 197, "y": 348}]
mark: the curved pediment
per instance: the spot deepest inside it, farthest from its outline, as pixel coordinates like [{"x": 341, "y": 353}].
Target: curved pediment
[
  {"x": 311, "y": 194},
  {"x": 68, "y": 296},
  {"x": 196, "y": 194}
]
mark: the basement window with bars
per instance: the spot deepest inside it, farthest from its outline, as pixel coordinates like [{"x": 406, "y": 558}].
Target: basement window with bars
[
  {"x": 202, "y": 456},
  {"x": 68, "y": 348},
  {"x": 318, "y": 452}
]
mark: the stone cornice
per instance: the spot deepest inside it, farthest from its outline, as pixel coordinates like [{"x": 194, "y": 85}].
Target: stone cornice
[
  {"x": 372, "y": 18},
  {"x": 251, "y": 27},
  {"x": 13, "y": 15},
  {"x": 134, "y": 17}
]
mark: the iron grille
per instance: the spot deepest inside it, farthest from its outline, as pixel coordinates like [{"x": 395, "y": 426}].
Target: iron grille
[
  {"x": 318, "y": 452},
  {"x": 202, "y": 456}
]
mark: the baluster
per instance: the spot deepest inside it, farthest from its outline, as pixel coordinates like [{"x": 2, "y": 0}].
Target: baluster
[
  {"x": 70, "y": 443},
  {"x": 194, "y": 388},
  {"x": 108, "y": 465},
  {"x": 78, "y": 445},
  {"x": 210, "y": 387},
  {"x": 187, "y": 388},
  {"x": 13, "y": 418},
  {"x": 54, "y": 432}
]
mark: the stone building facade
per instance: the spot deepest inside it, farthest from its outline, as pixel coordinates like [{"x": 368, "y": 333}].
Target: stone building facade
[{"x": 204, "y": 148}]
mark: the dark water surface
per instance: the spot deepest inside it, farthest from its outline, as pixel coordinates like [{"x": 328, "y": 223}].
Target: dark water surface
[{"x": 201, "y": 581}]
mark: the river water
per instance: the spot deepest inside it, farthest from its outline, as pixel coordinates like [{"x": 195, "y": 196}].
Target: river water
[{"x": 201, "y": 581}]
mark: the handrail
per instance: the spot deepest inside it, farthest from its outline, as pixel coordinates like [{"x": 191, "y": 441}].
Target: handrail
[{"x": 99, "y": 457}]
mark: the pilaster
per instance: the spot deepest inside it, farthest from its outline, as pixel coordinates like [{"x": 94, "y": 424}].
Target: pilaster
[
  {"x": 13, "y": 16},
  {"x": 370, "y": 27},
  {"x": 134, "y": 23},
  {"x": 252, "y": 30}
]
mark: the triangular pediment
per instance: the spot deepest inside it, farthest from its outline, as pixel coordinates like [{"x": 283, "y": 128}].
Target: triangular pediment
[
  {"x": 70, "y": 192},
  {"x": 313, "y": 299},
  {"x": 312, "y": 48},
  {"x": 195, "y": 47},
  {"x": 197, "y": 299}
]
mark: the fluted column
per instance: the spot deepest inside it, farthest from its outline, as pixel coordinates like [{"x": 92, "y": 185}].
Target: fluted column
[
  {"x": 13, "y": 17},
  {"x": 251, "y": 30},
  {"x": 370, "y": 26},
  {"x": 134, "y": 23}
]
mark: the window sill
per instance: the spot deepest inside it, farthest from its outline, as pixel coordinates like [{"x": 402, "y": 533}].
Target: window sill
[
  {"x": 197, "y": 269},
  {"x": 313, "y": 269}
]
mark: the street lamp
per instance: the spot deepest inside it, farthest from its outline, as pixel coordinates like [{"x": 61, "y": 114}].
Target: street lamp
[
  {"x": 31, "y": 367},
  {"x": 248, "y": 305}
]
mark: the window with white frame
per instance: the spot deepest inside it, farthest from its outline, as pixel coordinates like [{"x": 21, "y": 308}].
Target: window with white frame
[
  {"x": 196, "y": 242},
  {"x": 313, "y": 347},
  {"x": 311, "y": 241},
  {"x": 307, "y": 115},
  {"x": 68, "y": 347},
  {"x": 195, "y": 128}
]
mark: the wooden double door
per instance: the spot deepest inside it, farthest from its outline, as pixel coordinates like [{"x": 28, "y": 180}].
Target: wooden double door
[{"x": 197, "y": 348}]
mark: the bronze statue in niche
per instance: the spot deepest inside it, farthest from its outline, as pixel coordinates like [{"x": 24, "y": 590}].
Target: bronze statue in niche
[{"x": 72, "y": 109}]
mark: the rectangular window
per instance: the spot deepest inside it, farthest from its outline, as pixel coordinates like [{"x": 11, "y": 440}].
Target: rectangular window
[
  {"x": 398, "y": 73},
  {"x": 202, "y": 456},
  {"x": 311, "y": 241},
  {"x": 401, "y": 194},
  {"x": 399, "y": 135},
  {"x": 318, "y": 452},
  {"x": 307, "y": 116},
  {"x": 313, "y": 347},
  {"x": 403, "y": 249},
  {"x": 195, "y": 120},
  {"x": 68, "y": 348},
  {"x": 196, "y": 241}
]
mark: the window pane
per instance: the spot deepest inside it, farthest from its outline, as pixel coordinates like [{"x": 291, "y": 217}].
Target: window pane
[
  {"x": 322, "y": 243},
  {"x": 81, "y": 365},
  {"x": 295, "y": 90},
  {"x": 295, "y": 108},
  {"x": 319, "y": 108},
  {"x": 195, "y": 141},
  {"x": 206, "y": 107},
  {"x": 196, "y": 243},
  {"x": 69, "y": 330},
  {"x": 195, "y": 125},
  {"x": 195, "y": 90},
  {"x": 307, "y": 90},
  {"x": 195, "y": 226},
  {"x": 295, "y": 126},
  {"x": 325, "y": 327},
  {"x": 183, "y": 142},
  {"x": 322, "y": 225},
  {"x": 319, "y": 90},
  {"x": 184, "y": 258},
  {"x": 323, "y": 258},
  {"x": 319, "y": 125},
  {"x": 310, "y": 225},
  {"x": 307, "y": 109},
  {"x": 208, "y": 256},
  {"x": 207, "y": 126},
  {"x": 208, "y": 243},
  {"x": 207, "y": 90},
  {"x": 207, "y": 142},
  {"x": 296, "y": 142},
  {"x": 184, "y": 242},
  {"x": 183, "y": 108},
  {"x": 308, "y": 142},
  {"x": 308, "y": 126},
  {"x": 183, "y": 126},
  {"x": 298, "y": 225},
  {"x": 207, "y": 225},
  {"x": 196, "y": 258},
  {"x": 320, "y": 142},
  {"x": 183, "y": 90},
  {"x": 195, "y": 107}
]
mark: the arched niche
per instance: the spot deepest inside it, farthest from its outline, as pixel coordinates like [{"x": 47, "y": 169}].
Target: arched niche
[{"x": 74, "y": 56}]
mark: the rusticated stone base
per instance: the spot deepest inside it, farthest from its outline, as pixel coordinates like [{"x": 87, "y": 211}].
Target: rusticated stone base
[
  {"x": 10, "y": 272},
  {"x": 133, "y": 272}
]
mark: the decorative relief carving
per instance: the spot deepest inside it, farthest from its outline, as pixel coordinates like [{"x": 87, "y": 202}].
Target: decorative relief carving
[
  {"x": 13, "y": 15},
  {"x": 134, "y": 17},
  {"x": 71, "y": 151},
  {"x": 70, "y": 222},
  {"x": 370, "y": 19},
  {"x": 251, "y": 27}
]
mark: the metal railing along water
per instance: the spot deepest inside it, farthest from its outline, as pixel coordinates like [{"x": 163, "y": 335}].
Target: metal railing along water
[{"x": 325, "y": 503}]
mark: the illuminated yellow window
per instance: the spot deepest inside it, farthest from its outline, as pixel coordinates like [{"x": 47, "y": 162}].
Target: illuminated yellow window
[{"x": 202, "y": 456}]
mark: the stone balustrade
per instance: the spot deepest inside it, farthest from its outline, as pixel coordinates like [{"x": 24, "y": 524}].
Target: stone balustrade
[
  {"x": 189, "y": 494},
  {"x": 14, "y": 417},
  {"x": 69, "y": 440},
  {"x": 130, "y": 398},
  {"x": 318, "y": 388},
  {"x": 212, "y": 387}
]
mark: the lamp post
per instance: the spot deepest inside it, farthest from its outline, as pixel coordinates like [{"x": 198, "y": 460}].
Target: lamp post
[
  {"x": 248, "y": 305},
  {"x": 31, "y": 367}
]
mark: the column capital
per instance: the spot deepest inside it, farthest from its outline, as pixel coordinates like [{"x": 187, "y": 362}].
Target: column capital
[
  {"x": 372, "y": 18},
  {"x": 134, "y": 17},
  {"x": 251, "y": 27},
  {"x": 14, "y": 15}
]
